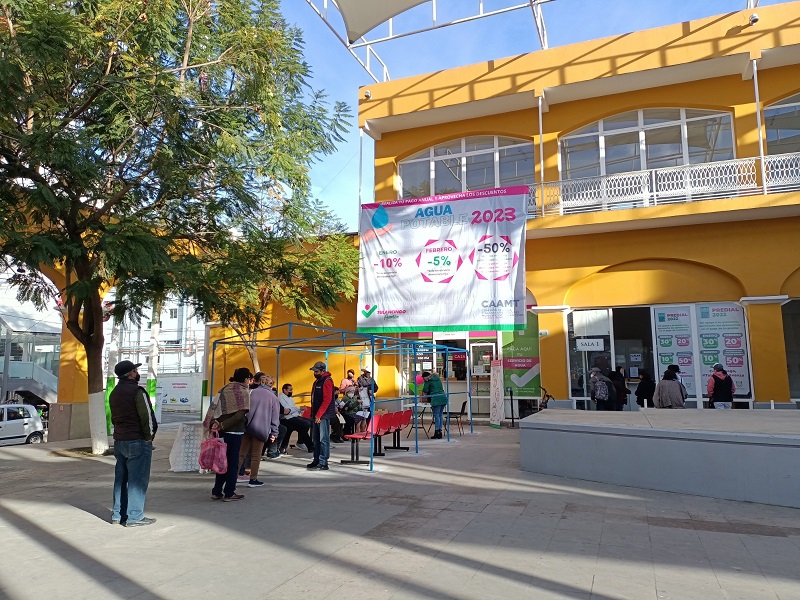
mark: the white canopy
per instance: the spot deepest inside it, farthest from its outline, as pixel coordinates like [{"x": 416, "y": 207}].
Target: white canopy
[{"x": 361, "y": 16}]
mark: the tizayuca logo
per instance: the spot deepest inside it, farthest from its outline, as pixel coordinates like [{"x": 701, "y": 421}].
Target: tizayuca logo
[{"x": 368, "y": 310}]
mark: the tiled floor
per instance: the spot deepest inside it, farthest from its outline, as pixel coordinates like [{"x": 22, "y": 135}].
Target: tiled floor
[{"x": 459, "y": 520}]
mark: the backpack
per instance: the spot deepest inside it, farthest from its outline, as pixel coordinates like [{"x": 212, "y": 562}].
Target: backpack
[{"x": 600, "y": 390}]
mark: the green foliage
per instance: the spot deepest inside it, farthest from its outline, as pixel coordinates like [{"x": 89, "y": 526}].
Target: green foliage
[{"x": 136, "y": 135}]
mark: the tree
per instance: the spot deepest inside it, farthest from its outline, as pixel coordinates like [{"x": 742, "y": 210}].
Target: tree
[
  {"x": 271, "y": 266},
  {"x": 134, "y": 135}
]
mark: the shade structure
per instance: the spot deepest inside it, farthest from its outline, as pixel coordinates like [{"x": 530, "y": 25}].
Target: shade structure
[{"x": 361, "y": 16}]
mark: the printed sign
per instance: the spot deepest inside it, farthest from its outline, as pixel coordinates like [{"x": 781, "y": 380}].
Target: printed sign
[
  {"x": 420, "y": 257},
  {"x": 584, "y": 345},
  {"x": 496, "y": 397},
  {"x": 521, "y": 368},
  {"x": 720, "y": 327},
  {"x": 674, "y": 343}
]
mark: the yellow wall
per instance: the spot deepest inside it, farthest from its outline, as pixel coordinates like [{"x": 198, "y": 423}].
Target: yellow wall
[{"x": 601, "y": 259}]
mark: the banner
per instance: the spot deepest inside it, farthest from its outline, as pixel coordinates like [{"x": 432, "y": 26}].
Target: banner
[
  {"x": 521, "y": 368},
  {"x": 722, "y": 340},
  {"x": 674, "y": 344},
  {"x": 496, "y": 395},
  {"x": 445, "y": 263}
]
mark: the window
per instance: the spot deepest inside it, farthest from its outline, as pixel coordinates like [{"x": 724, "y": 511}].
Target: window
[
  {"x": 651, "y": 138},
  {"x": 17, "y": 412},
  {"x": 173, "y": 313},
  {"x": 782, "y": 122},
  {"x": 472, "y": 163}
]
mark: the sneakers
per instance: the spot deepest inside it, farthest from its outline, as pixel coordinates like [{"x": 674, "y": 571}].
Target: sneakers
[
  {"x": 274, "y": 456},
  {"x": 233, "y": 498},
  {"x": 312, "y": 465},
  {"x": 302, "y": 447},
  {"x": 319, "y": 468},
  {"x": 255, "y": 483},
  {"x": 216, "y": 496},
  {"x": 145, "y": 521},
  {"x": 243, "y": 479}
]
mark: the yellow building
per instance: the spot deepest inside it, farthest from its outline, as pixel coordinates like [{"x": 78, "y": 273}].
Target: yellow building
[
  {"x": 664, "y": 220},
  {"x": 664, "y": 165}
]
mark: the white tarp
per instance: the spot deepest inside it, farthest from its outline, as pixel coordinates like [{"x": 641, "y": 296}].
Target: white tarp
[
  {"x": 454, "y": 262},
  {"x": 361, "y": 16}
]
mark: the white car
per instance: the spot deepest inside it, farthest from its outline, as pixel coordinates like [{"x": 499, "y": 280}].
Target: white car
[{"x": 20, "y": 424}]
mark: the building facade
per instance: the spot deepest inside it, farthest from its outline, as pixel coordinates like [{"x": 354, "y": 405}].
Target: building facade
[{"x": 664, "y": 218}]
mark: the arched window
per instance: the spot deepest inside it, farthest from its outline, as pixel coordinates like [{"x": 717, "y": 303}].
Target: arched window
[
  {"x": 472, "y": 163},
  {"x": 782, "y": 121},
  {"x": 649, "y": 138}
]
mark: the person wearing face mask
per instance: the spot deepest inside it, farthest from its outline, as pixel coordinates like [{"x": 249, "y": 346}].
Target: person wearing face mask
[
  {"x": 349, "y": 381},
  {"x": 349, "y": 407},
  {"x": 292, "y": 420},
  {"x": 135, "y": 427},
  {"x": 323, "y": 409}
]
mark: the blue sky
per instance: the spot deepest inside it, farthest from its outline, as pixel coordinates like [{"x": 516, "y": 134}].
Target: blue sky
[{"x": 335, "y": 178}]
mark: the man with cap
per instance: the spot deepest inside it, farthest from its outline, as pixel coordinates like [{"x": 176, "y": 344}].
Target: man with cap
[
  {"x": 720, "y": 388},
  {"x": 323, "y": 409},
  {"x": 135, "y": 427}
]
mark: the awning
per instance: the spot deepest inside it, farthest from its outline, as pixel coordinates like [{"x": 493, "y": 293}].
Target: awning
[{"x": 362, "y": 16}]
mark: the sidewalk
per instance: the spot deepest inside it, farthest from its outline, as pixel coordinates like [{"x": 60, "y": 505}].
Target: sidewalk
[{"x": 458, "y": 521}]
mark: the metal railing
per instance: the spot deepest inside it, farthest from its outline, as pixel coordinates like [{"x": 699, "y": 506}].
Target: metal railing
[{"x": 673, "y": 185}]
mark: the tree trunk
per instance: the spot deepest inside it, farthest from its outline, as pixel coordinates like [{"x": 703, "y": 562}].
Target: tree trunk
[
  {"x": 252, "y": 350},
  {"x": 98, "y": 417},
  {"x": 152, "y": 363}
]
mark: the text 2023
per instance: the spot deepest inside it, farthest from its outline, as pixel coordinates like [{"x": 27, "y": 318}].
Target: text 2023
[{"x": 498, "y": 215}]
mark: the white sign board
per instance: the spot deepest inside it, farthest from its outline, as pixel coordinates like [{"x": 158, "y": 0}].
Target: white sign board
[
  {"x": 496, "y": 398},
  {"x": 585, "y": 345}
]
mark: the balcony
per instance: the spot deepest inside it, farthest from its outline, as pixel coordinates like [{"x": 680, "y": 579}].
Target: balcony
[{"x": 674, "y": 185}]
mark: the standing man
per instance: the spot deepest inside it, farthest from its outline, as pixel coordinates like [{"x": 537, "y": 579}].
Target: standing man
[
  {"x": 721, "y": 388},
  {"x": 322, "y": 411},
  {"x": 601, "y": 390},
  {"x": 135, "y": 427}
]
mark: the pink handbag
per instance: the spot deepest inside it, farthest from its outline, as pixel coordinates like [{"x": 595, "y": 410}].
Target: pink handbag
[{"x": 214, "y": 454}]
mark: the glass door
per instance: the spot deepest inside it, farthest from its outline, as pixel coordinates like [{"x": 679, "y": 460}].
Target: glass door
[{"x": 590, "y": 345}]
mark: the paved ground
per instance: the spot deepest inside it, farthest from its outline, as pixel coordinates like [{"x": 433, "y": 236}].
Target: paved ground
[{"x": 458, "y": 521}]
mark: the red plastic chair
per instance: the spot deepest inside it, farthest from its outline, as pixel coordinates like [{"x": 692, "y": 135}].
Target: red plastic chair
[
  {"x": 403, "y": 420},
  {"x": 373, "y": 428}
]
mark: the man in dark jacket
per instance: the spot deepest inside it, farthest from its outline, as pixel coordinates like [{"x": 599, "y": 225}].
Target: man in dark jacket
[
  {"x": 135, "y": 427},
  {"x": 323, "y": 410}
]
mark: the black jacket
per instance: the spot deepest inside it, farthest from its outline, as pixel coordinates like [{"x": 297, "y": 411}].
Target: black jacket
[{"x": 131, "y": 412}]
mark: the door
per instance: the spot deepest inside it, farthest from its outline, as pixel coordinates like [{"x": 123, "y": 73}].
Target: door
[
  {"x": 12, "y": 427},
  {"x": 590, "y": 345}
]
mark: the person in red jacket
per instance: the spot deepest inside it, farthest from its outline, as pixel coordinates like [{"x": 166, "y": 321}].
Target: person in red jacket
[
  {"x": 323, "y": 409},
  {"x": 721, "y": 388}
]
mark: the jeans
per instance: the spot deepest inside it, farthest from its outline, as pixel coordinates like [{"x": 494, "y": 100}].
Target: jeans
[
  {"x": 234, "y": 443},
  {"x": 302, "y": 427},
  {"x": 272, "y": 450},
  {"x": 321, "y": 436},
  {"x": 131, "y": 478},
  {"x": 437, "y": 416}
]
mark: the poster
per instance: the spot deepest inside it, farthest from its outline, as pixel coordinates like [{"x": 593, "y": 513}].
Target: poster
[
  {"x": 674, "y": 346},
  {"x": 521, "y": 368},
  {"x": 422, "y": 257},
  {"x": 179, "y": 392},
  {"x": 721, "y": 330},
  {"x": 496, "y": 397}
]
